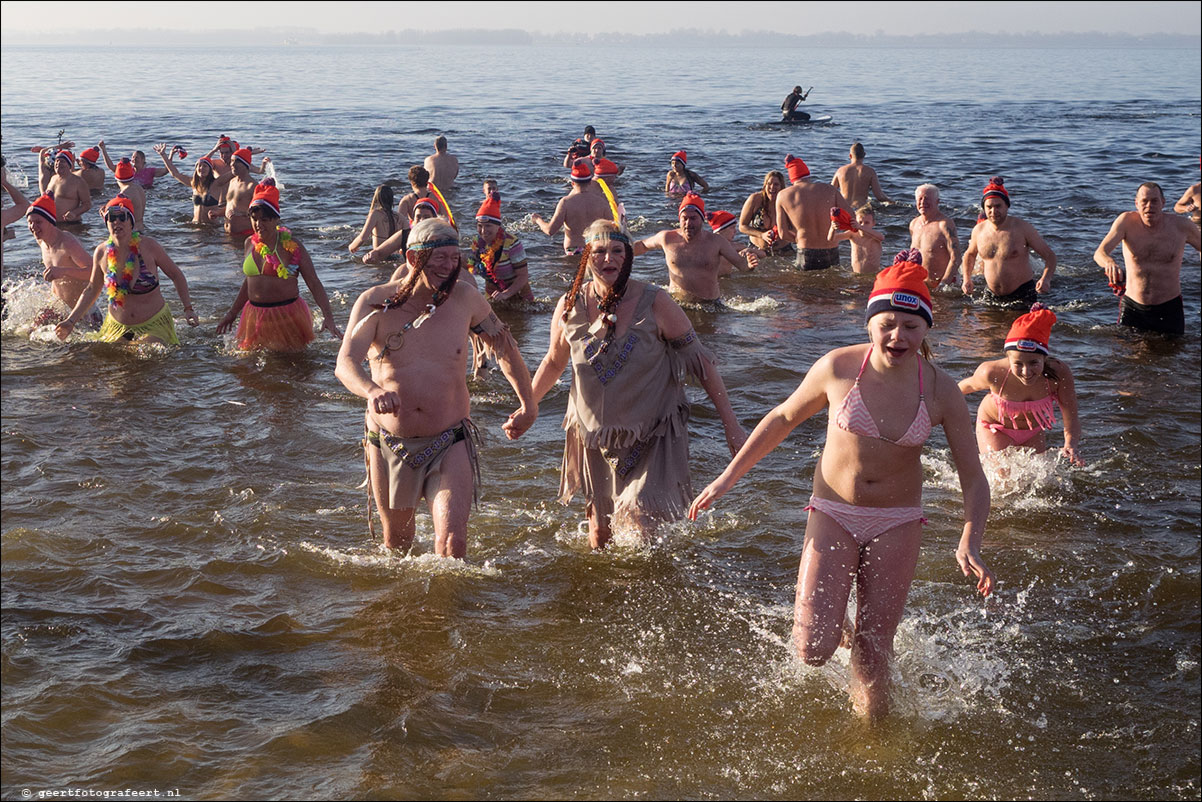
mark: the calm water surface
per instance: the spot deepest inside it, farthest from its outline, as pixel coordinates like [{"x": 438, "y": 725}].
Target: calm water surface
[{"x": 191, "y": 598}]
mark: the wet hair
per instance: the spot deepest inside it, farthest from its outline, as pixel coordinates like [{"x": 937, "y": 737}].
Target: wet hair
[
  {"x": 440, "y": 143},
  {"x": 421, "y": 238},
  {"x": 857, "y": 150},
  {"x": 588, "y": 129},
  {"x": 383, "y": 200},
  {"x": 1151, "y": 185},
  {"x": 600, "y": 232},
  {"x": 419, "y": 176}
]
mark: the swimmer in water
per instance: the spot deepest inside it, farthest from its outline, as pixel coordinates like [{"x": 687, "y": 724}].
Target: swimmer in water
[
  {"x": 68, "y": 267},
  {"x": 856, "y": 179},
  {"x": 933, "y": 233},
  {"x": 758, "y": 218},
  {"x": 382, "y": 220},
  {"x": 442, "y": 166},
  {"x": 865, "y": 240},
  {"x": 71, "y": 195},
  {"x": 581, "y": 207},
  {"x": 1004, "y": 242},
  {"x": 803, "y": 216},
  {"x": 694, "y": 253},
  {"x": 207, "y": 186},
  {"x": 866, "y": 516},
  {"x": 680, "y": 180},
  {"x": 1024, "y": 390},
  {"x": 143, "y": 176}
]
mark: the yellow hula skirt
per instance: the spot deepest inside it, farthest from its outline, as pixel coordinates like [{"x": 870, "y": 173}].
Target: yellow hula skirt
[{"x": 161, "y": 326}]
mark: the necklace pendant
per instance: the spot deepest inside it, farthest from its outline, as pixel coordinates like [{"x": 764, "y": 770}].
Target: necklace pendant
[{"x": 422, "y": 318}]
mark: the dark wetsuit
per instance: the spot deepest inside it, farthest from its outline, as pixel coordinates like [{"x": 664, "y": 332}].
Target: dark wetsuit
[{"x": 789, "y": 108}]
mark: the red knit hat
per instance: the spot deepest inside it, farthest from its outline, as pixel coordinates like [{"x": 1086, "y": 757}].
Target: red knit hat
[
  {"x": 902, "y": 287},
  {"x": 720, "y": 220},
  {"x": 1032, "y": 331},
  {"x": 267, "y": 194},
  {"x": 796, "y": 167},
  {"x": 44, "y": 207},
  {"x": 582, "y": 171},
  {"x": 596, "y": 143},
  {"x": 119, "y": 202},
  {"x": 604, "y": 168},
  {"x": 90, "y": 155},
  {"x": 432, "y": 202},
  {"x": 243, "y": 155},
  {"x": 692, "y": 201},
  {"x": 125, "y": 170},
  {"x": 680, "y": 154},
  {"x": 490, "y": 210},
  {"x": 995, "y": 190},
  {"x": 65, "y": 154}
]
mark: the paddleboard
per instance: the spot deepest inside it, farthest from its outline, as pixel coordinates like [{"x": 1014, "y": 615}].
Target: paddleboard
[{"x": 814, "y": 118}]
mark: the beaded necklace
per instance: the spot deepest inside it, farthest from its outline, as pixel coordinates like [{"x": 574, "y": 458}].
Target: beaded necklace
[
  {"x": 116, "y": 286},
  {"x": 488, "y": 259},
  {"x": 270, "y": 256}
]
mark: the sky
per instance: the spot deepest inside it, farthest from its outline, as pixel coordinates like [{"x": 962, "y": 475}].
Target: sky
[{"x": 900, "y": 18}]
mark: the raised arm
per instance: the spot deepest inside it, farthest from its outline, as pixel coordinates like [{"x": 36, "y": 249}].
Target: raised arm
[
  {"x": 45, "y": 171},
  {"x": 957, "y": 426},
  {"x": 19, "y": 207},
  {"x": 807, "y": 400},
  {"x": 318, "y": 290},
  {"x": 108, "y": 162},
  {"x": 161, "y": 149}
]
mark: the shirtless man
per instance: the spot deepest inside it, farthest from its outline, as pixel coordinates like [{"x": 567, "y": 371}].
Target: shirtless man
[
  {"x": 934, "y": 234},
  {"x": 68, "y": 267},
  {"x": 238, "y": 195},
  {"x": 1003, "y": 243},
  {"x": 442, "y": 166},
  {"x": 127, "y": 185},
  {"x": 1191, "y": 204},
  {"x": 803, "y": 216},
  {"x": 856, "y": 179},
  {"x": 577, "y": 210},
  {"x": 71, "y": 195},
  {"x": 694, "y": 254},
  {"x": 226, "y": 147},
  {"x": 92, "y": 175},
  {"x": 1153, "y": 246},
  {"x": 420, "y": 438},
  {"x": 419, "y": 182}
]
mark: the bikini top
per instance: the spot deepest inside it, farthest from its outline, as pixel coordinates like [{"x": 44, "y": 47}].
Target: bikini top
[
  {"x": 853, "y": 415},
  {"x": 207, "y": 200},
  {"x": 1038, "y": 414},
  {"x": 144, "y": 282},
  {"x": 272, "y": 264}
]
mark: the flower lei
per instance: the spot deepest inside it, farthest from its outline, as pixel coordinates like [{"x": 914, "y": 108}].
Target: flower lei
[
  {"x": 118, "y": 288},
  {"x": 270, "y": 256},
  {"x": 488, "y": 259}
]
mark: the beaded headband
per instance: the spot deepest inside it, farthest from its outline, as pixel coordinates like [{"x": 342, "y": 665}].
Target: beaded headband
[
  {"x": 608, "y": 235},
  {"x": 429, "y": 246}
]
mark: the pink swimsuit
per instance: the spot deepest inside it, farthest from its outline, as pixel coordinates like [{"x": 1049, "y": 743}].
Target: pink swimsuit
[
  {"x": 1038, "y": 415},
  {"x": 865, "y": 524}
]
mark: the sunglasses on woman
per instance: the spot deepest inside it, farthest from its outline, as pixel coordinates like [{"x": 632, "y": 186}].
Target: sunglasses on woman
[{"x": 117, "y": 217}]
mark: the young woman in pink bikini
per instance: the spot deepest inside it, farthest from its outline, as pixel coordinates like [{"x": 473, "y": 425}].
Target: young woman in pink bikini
[
  {"x": 865, "y": 522},
  {"x": 1024, "y": 390}
]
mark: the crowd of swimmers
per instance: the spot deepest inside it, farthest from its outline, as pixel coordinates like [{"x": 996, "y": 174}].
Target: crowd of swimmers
[{"x": 630, "y": 345}]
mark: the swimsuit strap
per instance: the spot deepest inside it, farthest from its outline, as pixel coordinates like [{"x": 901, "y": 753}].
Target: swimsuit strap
[
  {"x": 921, "y": 394},
  {"x": 864, "y": 364}
]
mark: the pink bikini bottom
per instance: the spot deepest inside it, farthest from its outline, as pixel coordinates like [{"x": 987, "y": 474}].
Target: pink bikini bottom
[
  {"x": 1017, "y": 436},
  {"x": 865, "y": 524}
]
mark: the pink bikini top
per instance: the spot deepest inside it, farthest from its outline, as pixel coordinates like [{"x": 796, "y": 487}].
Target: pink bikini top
[
  {"x": 1038, "y": 414},
  {"x": 853, "y": 415}
]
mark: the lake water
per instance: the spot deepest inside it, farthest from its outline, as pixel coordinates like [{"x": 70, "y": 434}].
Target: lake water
[{"x": 191, "y": 598}]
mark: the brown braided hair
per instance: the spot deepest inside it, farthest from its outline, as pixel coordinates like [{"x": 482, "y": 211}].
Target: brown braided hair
[{"x": 601, "y": 231}]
